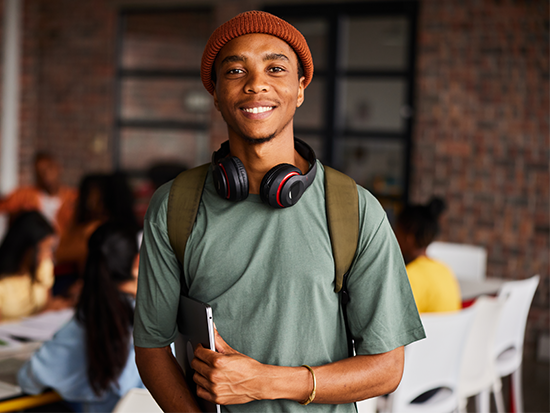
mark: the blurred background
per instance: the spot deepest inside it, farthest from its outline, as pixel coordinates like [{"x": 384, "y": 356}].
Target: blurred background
[{"x": 413, "y": 99}]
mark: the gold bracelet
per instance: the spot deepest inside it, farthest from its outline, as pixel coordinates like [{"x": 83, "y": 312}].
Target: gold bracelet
[{"x": 312, "y": 395}]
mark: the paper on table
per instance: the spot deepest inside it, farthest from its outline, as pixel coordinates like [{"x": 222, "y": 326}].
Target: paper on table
[
  {"x": 8, "y": 390},
  {"x": 41, "y": 327}
]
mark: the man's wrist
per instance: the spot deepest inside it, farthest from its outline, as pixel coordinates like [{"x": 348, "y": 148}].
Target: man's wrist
[{"x": 290, "y": 383}]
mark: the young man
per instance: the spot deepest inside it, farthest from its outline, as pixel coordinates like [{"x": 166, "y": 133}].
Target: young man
[
  {"x": 54, "y": 200},
  {"x": 267, "y": 272}
]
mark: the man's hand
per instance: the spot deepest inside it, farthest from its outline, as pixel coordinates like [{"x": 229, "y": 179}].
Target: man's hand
[{"x": 227, "y": 376}]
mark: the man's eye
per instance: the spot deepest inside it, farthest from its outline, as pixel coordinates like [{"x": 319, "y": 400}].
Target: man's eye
[
  {"x": 235, "y": 71},
  {"x": 276, "y": 69}
]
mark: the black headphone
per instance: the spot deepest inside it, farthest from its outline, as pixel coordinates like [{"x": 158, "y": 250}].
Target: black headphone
[{"x": 281, "y": 187}]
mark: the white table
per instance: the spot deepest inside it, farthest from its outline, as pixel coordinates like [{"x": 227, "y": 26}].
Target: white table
[
  {"x": 31, "y": 332},
  {"x": 470, "y": 289}
]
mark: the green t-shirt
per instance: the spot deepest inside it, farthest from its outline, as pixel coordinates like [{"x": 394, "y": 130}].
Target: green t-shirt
[{"x": 269, "y": 276}]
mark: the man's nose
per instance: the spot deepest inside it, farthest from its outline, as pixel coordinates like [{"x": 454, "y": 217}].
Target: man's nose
[{"x": 256, "y": 82}]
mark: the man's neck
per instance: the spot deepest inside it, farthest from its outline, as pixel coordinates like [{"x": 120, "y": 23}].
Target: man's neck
[
  {"x": 258, "y": 159},
  {"x": 53, "y": 191}
]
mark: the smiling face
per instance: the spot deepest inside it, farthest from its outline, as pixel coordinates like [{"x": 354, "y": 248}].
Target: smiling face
[{"x": 257, "y": 87}]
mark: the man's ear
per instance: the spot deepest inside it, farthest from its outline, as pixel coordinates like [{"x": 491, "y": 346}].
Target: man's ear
[
  {"x": 215, "y": 95},
  {"x": 301, "y": 90}
]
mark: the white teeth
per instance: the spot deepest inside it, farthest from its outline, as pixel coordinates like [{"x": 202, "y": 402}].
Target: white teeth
[{"x": 261, "y": 109}]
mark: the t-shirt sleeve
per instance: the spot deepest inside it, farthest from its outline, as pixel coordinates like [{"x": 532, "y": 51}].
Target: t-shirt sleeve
[
  {"x": 382, "y": 314},
  {"x": 159, "y": 279},
  {"x": 58, "y": 364}
]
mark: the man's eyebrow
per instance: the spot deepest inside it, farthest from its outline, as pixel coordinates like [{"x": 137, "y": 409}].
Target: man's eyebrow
[
  {"x": 233, "y": 58},
  {"x": 267, "y": 57},
  {"x": 275, "y": 56}
]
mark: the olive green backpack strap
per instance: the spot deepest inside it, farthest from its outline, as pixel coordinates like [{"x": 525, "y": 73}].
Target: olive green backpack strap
[
  {"x": 342, "y": 202},
  {"x": 183, "y": 204}
]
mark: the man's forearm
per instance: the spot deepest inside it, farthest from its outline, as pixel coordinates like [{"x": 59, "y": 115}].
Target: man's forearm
[
  {"x": 229, "y": 377},
  {"x": 349, "y": 380},
  {"x": 164, "y": 378},
  {"x": 360, "y": 377}
]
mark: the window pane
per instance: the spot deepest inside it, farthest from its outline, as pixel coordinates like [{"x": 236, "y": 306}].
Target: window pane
[
  {"x": 140, "y": 148},
  {"x": 376, "y": 43},
  {"x": 373, "y": 105},
  {"x": 310, "y": 114},
  {"x": 376, "y": 164},
  {"x": 315, "y": 142},
  {"x": 315, "y": 32},
  {"x": 165, "y": 99},
  {"x": 171, "y": 40}
]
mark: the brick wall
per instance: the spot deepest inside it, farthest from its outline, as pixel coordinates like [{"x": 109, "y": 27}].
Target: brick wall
[
  {"x": 67, "y": 84},
  {"x": 481, "y": 131},
  {"x": 481, "y": 138}
]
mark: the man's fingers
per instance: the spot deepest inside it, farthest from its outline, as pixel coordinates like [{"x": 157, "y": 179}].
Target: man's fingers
[{"x": 221, "y": 346}]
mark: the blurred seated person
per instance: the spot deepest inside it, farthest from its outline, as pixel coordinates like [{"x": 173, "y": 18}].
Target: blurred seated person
[
  {"x": 90, "y": 360},
  {"x": 102, "y": 197},
  {"x": 56, "y": 202},
  {"x": 162, "y": 172},
  {"x": 26, "y": 267},
  {"x": 433, "y": 283}
]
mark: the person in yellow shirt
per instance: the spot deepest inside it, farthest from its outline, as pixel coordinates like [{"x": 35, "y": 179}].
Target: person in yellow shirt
[
  {"x": 433, "y": 283},
  {"x": 26, "y": 268}
]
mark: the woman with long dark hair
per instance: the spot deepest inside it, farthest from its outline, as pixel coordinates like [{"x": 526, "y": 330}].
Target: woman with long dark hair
[
  {"x": 433, "y": 283},
  {"x": 26, "y": 266},
  {"x": 91, "y": 359}
]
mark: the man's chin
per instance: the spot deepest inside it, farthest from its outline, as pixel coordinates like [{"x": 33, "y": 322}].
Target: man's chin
[{"x": 257, "y": 141}]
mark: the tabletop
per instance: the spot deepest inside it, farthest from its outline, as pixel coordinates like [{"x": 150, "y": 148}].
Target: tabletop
[
  {"x": 470, "y": 289},
  {"x": 18, "y": 341}
]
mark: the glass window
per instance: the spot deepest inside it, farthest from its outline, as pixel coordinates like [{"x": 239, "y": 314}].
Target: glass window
[
  {"x": 376, "y": 164},
  {"x": 315, "y": 142},
  {"x": 142, "y": 147},
  {"x": 315, "y": 31},
  {"x": 374, "y": 104},
  {"x": 183, "y": 100},
  {"x": 310, "y": 114},
  {"x": 168, "y": 41},
  {"x": 376, "y": 43}
]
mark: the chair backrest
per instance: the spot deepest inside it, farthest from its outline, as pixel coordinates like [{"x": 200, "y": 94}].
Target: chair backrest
[
  {"x": 466, "y": 261},
  {"x": 517, "y": 297},
  {"x": 477, "y": 370},
  {"x": 435, "y": 361}
]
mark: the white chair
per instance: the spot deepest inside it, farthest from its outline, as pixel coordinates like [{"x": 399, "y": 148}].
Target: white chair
[
  {"x": 477, "y": 372},
  {"x": 367, "y": 406},
  {"x": 137, "y": 401},
  {"x": 466, "y": 261},
  {"x": 517, "y": 297},
  {"x": 433, "y": 363}
]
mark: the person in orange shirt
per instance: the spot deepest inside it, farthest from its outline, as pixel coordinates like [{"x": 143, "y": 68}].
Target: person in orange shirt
[
  {"x": 433, "y": 283},
  {"x": 55, "y": 202},
  {"x": 102, "y": 198}
]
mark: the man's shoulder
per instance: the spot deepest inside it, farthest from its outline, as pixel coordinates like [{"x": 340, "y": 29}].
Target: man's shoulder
[
  {"x": 24, "y": 191},
  {"x": 158, "y": 205},
  {"x": 369, "y": 205}
]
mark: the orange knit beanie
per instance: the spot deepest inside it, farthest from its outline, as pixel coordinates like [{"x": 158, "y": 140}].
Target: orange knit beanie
[{"x": 254, "y": 22}]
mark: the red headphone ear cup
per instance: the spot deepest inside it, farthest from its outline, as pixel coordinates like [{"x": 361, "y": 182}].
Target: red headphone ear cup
[
  {"x": 275, "y": 186},
  {"x": 231, "y": 179}
]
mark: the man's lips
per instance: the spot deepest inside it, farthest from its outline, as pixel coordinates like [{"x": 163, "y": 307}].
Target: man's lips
[{"x": 259, "y": 109}]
